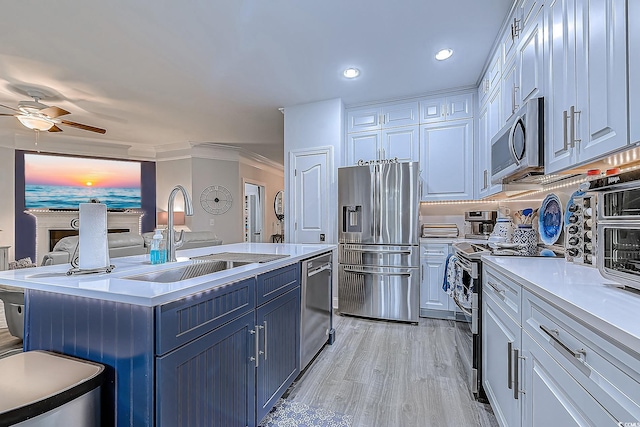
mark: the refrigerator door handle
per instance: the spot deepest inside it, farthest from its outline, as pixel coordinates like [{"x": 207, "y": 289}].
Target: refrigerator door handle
[
  {"x": 373, "y": 251},
  {"x": 377, "y": 273}
]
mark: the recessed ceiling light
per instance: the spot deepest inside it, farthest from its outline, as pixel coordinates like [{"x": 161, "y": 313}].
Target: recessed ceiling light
[
  {"x": 444, "y": 54},
  {"x": 351, "y": 73}
]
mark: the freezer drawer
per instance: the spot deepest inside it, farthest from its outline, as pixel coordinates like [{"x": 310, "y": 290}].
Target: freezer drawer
[{"x": 379, "y": 292}]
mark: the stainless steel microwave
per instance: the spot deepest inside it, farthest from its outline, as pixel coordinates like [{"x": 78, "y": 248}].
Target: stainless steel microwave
[
  {"x": 517, "y": 150},
  {"x": 618, "y": 227}
]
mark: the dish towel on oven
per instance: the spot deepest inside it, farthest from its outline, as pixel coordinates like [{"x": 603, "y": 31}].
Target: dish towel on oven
[{"x": 452, "y": 274}]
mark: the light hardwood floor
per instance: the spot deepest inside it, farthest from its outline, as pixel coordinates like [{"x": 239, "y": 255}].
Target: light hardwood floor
[{"x": 389, "y": 374}]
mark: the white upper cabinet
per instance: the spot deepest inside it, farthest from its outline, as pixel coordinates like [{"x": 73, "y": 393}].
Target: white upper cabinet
[
  {"x": 382, "y": 117},
  {"x": 383, "y": 132},
  {"x": 488, "y": 125},
  {"x": 530, "y": 54},
  {"x": 510, "y": 91},
  {"x": 446, "y": 160},
  {"x": 587, "y": 88},
  {"x": 455, "y": 107},
  {"x": 528, "y": 10},
  {"x": 491, "y": 79},
  {"x": 402, "y": 142}
]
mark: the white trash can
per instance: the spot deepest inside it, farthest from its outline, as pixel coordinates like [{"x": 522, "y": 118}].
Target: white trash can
[{"x": 39, "y": 388}]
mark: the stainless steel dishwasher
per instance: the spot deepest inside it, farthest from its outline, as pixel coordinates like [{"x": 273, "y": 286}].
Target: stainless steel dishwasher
[{"x": 316, "y": 328}]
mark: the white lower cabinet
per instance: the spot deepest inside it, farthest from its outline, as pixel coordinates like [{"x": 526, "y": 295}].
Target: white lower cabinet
[
  {"x": 501, "y": 343},
  {"x": 543, "y": 368},
  {"x": 552, "y": 397},
  {"x": 434, "y": 301}
]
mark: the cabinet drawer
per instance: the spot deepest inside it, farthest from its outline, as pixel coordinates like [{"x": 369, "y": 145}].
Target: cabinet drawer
[
  {"x": 181, "y": 321},
  {"x": 610, "y": 374},
  {"x": 503, "y": 291},
  {"x": 277, "y": 282},
  {"x": 434, "y": 250}
]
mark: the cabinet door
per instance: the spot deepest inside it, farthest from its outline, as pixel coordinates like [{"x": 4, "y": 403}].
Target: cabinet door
[
  {"x": 531, "y": 58},
  {"x": 432, "y": 110},
  {"x": 459, "y": 107},
  {"x": 510, "y": 40},
  {"x": 446, "y": 155},
  {"x": 527, "y": 13},
  {"x": 402, "y": 143},
  {"x": 561, "y": 90},
  {"x": 211, "y": 380},
  {"x": 432, "y": 297},
  {"x": 278, "y": 323},
  {"x": 634, "y": 70},
  {"x": 363, "y": 119},
  {"x": 494, "y": 122},
  {"x": 405, "y": 114},
  {"x": 601, "y": 106},
  {"x": 363, "y": 146},
  {"x": 501, "y": 337},
  {"x": 510, "y": 92},
  {"x": 483, "y": 166},
  {"x": 552, "y": 397}
]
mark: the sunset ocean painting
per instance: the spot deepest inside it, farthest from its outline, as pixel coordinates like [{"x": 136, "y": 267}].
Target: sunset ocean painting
[{"x": 61, "y": 182}]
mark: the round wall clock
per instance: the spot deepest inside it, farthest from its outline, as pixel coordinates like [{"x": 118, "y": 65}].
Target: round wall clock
[{"x": 216, "y": 199}]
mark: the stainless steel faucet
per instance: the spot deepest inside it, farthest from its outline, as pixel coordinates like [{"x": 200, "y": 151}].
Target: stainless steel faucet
[{"x": 172, "y": 242}]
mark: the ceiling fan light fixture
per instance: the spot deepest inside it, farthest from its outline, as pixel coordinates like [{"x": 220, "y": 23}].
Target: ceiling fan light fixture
[
  {"x": 351, "y": 73},
  {"x": 35, "y": 123},
  {"x": 444, "y": 54}
]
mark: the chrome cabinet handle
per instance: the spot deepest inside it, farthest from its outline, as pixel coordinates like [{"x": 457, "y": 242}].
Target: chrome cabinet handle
[
  {"x": 574, "y": 113},
  {"x": 422, "y": 272},
  {"x": 486, "y": 173},
  {"x": 252, "y": 358},
  {"x": 265, "y": 339},
  {"x": 442, "y": 110},
  {"x": 509, "y": 364},
  {"x": 554, "y": 335},
  {"x": 258, "y": 352},
  {"x": 495, "y": 288},
  {"x": 515, "y": 104},
  {"x": 565, "y": 118},
  {"x": 515, "y": 374}
]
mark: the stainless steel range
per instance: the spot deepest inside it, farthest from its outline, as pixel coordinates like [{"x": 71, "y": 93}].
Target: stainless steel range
[
  {"x": 467, "y": 294},
  {"x": 379, "y": 260}
]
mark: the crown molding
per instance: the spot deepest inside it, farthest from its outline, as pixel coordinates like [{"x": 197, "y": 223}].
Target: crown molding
[{"x": 453, "y": 91}]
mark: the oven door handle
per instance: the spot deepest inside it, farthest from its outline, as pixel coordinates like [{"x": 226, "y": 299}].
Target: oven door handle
[{"x": 463, "y": 309}]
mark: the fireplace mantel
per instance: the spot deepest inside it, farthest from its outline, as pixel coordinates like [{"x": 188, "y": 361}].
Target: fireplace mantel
[{"x": 61, "y": 220}]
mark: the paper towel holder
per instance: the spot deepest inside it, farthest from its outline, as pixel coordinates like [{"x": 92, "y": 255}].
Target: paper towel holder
[{"x": 75, "y": 269}]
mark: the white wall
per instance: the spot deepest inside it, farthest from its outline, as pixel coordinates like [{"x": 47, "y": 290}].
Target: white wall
[
  {"x": 312, "y": 126},
  {"x": 170, "y": 173}
]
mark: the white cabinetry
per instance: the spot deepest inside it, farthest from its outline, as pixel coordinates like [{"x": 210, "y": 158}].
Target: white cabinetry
[
  {"x": 541, "y": 367},
  {"x": 491, "y": 80},
  {"x": 455, "y": 107},
  {"x": 488, "y": 125},
  {"x": 634, "y": 70},
  {"x": 446, "y": 160},
  {"x": 434, "y": 301},
  {"x": 402, "y": 142},
  {"x": 386, "y": 132},
  {"x": 586, "y": 81}
]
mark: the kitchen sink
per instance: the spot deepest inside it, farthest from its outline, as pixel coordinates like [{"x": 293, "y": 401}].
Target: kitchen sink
[
  {"x": 185, "y": 272},
  {"x": 240, "y": 256}
]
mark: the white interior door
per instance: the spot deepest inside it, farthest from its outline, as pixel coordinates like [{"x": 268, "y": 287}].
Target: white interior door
[{"x": 310, "y": 222}]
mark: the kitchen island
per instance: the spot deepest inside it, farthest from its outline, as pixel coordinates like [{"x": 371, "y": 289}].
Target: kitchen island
[{"x": 188, "y": 352}]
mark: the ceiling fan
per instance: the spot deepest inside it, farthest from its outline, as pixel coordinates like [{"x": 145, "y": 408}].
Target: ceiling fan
[{"x": 37, "y": 116}]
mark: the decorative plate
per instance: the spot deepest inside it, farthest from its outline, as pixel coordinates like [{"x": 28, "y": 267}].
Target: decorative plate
[
  {"x": 216, "y": 199},
  {"x": 567, "y": 214},
  {"x": 550, "y": 220}
]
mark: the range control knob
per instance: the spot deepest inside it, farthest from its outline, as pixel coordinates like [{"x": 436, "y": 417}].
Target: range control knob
[
  {"x": 574, "y": 208},
  {"x": 574, "y": 241},
  {"x": 572, "y": 229},
  {"x": 573, "y": 219},
  {"x": 573, "y": 252}
]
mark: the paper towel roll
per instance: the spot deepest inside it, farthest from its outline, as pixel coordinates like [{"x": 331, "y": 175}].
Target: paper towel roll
[{"x": 93, "y": 250}]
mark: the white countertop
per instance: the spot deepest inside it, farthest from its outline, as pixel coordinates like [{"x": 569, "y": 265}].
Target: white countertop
[
  {"x": 579, "y": 290},
  {"x": 114, "y": 287}
]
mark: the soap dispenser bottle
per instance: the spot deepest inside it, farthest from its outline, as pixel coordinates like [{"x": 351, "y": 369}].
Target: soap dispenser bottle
[{"x": 157, "y": 252}]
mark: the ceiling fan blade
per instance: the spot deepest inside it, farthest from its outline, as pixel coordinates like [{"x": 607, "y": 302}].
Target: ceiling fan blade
[
  {"x": 10, "y": 108},
  {"x": 54, "y": 112},
  {"x": 55, "y": 128},
  {"x": 83, "y": 127}
]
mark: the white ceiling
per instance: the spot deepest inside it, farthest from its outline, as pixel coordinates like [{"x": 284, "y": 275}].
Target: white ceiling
[{"x": 166, "y": 71}]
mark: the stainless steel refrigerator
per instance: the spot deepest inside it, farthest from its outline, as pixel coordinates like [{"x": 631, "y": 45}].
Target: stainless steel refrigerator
[{"x": 378, "y": 257}]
